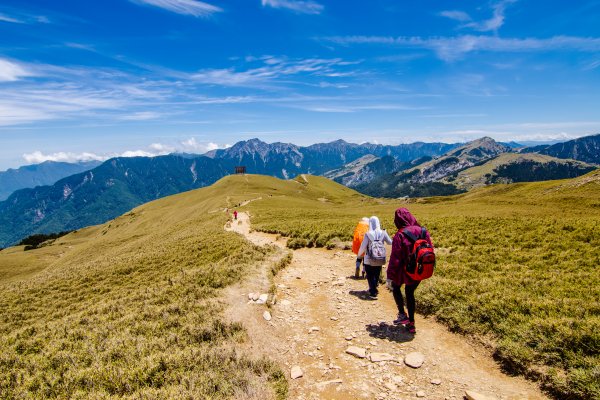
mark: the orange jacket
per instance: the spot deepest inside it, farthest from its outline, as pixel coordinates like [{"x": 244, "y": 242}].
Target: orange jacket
[{"x": 359, "y": 233}]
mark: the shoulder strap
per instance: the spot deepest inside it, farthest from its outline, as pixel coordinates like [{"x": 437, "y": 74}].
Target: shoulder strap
[
  {"x": 409, "y": 235},
  {"x": 423, "y": 232}
]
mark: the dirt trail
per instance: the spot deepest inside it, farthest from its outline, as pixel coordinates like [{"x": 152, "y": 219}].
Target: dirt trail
[{"x": 320, "y": 312}]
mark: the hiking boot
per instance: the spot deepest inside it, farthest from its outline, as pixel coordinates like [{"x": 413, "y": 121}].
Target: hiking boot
[
  {"x": 363, "y": 274},
  {"x": 372, "y": 296},
  {"x": 411, "y": 328},
  {"x": 357, "y": 273},
  {"x": 401, "y": 320}
]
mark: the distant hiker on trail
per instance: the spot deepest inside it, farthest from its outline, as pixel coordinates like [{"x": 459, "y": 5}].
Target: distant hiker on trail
[
  {"x": 402, "y": 247},
  {"x": 235, "y": 214},
  {"x": 359, "y": 232},
  {"x": 373, "y": 250}
]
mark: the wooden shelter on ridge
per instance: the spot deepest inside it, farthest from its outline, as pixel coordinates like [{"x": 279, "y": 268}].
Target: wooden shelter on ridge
[{"x": 240, "y": 170}]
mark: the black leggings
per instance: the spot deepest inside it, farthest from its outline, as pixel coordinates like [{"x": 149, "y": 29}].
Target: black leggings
[{"x": 410, "y": 299}]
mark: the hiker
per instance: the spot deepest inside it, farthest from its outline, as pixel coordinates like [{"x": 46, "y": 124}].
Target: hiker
[
  {"x": 373, "y": 250},
  {"x": 359, "y": 232},
  {"x": 396, "y": 272},
  {"x": 235, "y": 214}
]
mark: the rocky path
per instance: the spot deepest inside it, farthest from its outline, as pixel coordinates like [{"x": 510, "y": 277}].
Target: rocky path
[{"x": 336, "y": 344}]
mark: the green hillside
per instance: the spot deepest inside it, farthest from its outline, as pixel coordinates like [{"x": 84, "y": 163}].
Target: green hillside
[{"x": 130, "y": 308}]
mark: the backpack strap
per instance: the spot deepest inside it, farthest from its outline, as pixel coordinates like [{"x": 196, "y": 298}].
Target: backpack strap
[
  {"x": 423, "y": 233},
  {"x": 409, "y": 235}
]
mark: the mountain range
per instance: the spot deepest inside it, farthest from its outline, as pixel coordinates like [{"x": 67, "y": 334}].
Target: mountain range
[
  {"x": 418, "y": 169},
  {"x": 119, "y": 184}
]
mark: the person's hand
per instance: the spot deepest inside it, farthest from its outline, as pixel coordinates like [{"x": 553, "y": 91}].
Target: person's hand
[{"x": 358, "y": 261}]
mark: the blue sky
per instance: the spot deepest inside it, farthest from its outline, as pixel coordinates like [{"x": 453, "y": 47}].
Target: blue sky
[{"x": 86, "y": 79}]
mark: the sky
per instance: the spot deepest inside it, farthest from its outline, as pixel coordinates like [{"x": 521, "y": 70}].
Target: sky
[{"x": 83, "y": 79}]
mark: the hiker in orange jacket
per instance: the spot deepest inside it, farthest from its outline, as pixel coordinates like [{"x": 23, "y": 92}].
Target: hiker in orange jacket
[{"x": 359, "y": 233}]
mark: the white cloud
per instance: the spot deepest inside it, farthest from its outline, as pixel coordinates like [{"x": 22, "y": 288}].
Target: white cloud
[
  {"x": 11, "y": 71},
  {"x": 191, "y": 145},
  {"x": 38, "y": 157},
  {"x": 452, "y": 48},
  {"x": 456, "y": 15},
  {"x": 304, "y": 7},
  {"x": 185, "y": 7}
]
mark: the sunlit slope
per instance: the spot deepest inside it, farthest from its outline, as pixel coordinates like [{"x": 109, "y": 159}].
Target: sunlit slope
[
  {"x": 532, "y": 167},
  {"x": 128, "y": 308},
  {"x": 518, "y": 265}
]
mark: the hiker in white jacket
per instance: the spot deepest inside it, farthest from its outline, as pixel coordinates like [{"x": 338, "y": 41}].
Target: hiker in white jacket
[{"x": 373, "y": 249}]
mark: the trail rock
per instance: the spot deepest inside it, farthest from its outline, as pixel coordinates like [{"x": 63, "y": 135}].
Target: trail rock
[
  {"x": 251, "y": 296},
  {"x": 296, "y": 372},
  {"x": 285, "y": 303},
  {"x": 262, "y": 299},
  {"x": 255, "y": 296},
  {"x": 274, "y": 299},
  {"x": 378, "y": 357},
  {"x": 436, "y": 381},
  {"x": 314, "y": 329},
  {"x": 470, "y": 395},
  {"x": 420, "y": 393},
  {"x": 357, "y": 351},
  {"x": 414, "y": 359},
  {"x": 267, "y": 315}
]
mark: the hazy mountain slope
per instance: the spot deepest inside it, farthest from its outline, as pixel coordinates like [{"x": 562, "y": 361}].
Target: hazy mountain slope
[
  {"x": 586, "y": 149},
  {"x": 46, "y": 173},
  {"x": 516, "y": 167},
  {"x": 102, "y": 193},
  {"x": 364, "y": 170}
]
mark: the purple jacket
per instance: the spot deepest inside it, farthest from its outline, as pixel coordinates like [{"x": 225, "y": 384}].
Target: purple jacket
[{"x": 401, "y": 247}]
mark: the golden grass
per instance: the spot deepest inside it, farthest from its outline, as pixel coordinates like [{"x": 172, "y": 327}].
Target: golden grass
[{"x": 130, "y": 309}]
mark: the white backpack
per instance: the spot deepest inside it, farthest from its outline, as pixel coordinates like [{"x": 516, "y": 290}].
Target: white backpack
[{"x": 376, "y": 251}]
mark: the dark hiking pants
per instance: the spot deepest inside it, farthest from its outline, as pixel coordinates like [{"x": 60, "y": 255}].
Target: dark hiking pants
[
  {"x": 410, "y": 299},
  {"x": 373, "y": 273}
]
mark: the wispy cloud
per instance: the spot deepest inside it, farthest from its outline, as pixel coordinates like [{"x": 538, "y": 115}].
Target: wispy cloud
[
  {"x": 11, "y": 71},
  {"x": 185, "y": 7},
  {"x": 495, "y": 22},
  {"x": 456, "y": 15},
  {"x": 488, "y": 25},
  {"x": 452, "y": 48},
  {"x": 272, "y": 67},
  {"x": 303, "y": 7},
  {"x": 7, "y": 18},
  {"x": 341, "y": 108},
  {"x": 141, "y": 116}
]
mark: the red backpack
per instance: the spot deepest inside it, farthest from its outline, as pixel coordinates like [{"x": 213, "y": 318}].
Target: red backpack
[{"x": 421, "y": 260}]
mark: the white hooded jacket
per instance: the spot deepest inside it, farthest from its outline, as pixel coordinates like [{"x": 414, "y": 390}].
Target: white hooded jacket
[{"x": 375, "y": 233}]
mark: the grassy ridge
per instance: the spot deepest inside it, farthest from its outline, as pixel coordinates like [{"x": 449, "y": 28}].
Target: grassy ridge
[
  {"x": 130, "y": 309},
  {"x": 518, "y": 264}
]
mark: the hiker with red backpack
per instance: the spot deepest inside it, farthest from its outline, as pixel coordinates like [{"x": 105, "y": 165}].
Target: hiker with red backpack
[
  {"x": 372, "y": 249},
  {"x": 412, "y": 260}
]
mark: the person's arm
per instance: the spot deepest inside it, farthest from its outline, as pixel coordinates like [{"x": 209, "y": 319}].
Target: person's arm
[
  {"x": 363, "y": 246},
  {"x": 386, "y": 238}
]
